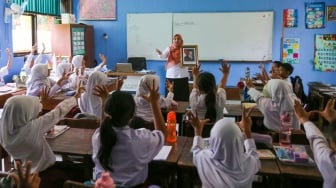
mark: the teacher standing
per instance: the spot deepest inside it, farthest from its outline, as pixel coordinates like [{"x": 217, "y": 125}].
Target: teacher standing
[{"x": 174, "y": 68}]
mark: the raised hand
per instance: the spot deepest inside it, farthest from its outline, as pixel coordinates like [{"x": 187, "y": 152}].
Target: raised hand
[
  {"x": 170, "y": 86},
  {"x": 158, "y": 51},
  {"x": 103, "y": 59},
  {"x": 300, "y": 112},
  {"x": 245, "y": 123},
  {"x": 196, "y": 70},
  {"x": 23, "y": 178},
  {"x": 329, "y": 112},
  {"x": 153, "y": 96},
  {"x": 44, "y": 94},
  {"x": 225, "y": 67},
  {"x": 196, "y": 123}
]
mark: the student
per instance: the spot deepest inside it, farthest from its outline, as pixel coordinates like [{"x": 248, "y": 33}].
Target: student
[
  {"x": 205, "y": 97},
  {"x": 143, "y": 110},
  {"x": 226, "y": 163},
  {"x": 324, "y": 152},
  {"x": 5, "y": 69},
  {"x": 173, "y": 53},
  {"x": 70, "y": 83},
  {"x": 285, "y": 70},
  {"x": 39, "y": 78},
  {"x": 280, "y": 102},
  {"x": 274, "y": 72},
  {"x": 33, "y": 59},
  {"x": 115, "y": 144},
  {"x": 23, "y": 178},
  {"x": 22, "y": 133},
  {"x": 89, "y": 102}
]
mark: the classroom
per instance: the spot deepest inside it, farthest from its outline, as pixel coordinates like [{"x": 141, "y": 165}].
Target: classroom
[{"x": 244, "y": 33}]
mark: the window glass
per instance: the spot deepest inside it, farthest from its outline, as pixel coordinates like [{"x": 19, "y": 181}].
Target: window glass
[
  {"x": 44, "y": 31},
  {"x": 22, "y": 33}
]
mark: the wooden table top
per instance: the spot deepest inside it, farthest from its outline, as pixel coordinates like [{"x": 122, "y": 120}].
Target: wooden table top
[
  {"x": 234, "y": 110},
  {"x": 54, "y": 101},
  {"x": 73, "y": 142}
]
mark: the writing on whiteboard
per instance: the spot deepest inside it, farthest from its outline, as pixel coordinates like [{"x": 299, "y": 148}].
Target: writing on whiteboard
[{"x": 184, "y": 23}]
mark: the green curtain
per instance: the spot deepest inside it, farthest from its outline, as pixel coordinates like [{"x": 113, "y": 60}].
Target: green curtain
[{"x": 47, "y": 7}]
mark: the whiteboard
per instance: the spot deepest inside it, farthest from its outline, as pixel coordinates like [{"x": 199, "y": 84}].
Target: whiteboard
[
  {"x": 145, "y": 32},
  {"x": 235, "y": 36}
]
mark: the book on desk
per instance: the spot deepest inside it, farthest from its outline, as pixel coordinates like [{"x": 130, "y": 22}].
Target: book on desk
[
  {"x": 293, "y": 155},
  {"x": 57, "y": 130}
]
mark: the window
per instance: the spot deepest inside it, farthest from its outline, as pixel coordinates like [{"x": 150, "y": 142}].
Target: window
[{"x": 28, "y": 29}]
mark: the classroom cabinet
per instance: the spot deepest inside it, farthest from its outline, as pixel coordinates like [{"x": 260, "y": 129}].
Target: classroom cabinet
[{"x": 68, "y": 40}]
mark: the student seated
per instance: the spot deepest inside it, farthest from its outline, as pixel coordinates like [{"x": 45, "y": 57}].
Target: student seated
[
  {"x": 33, "y": 59},
  {"x": 279, "y": 103},
  {"x": 69, "y": 84},
  {"x": 143, "y": 111},
  {"x": 206, "y": 98},
  {"x": 285, "y": 70},
  {"x": 324, "y": 151},
  {"x": 115, "y": 144},
  {"x": 226, "y": 163},
  {"x": 22, "y": 133}
]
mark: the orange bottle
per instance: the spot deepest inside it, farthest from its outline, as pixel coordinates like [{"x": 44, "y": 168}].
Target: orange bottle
[{"x": 171, "y": 127}]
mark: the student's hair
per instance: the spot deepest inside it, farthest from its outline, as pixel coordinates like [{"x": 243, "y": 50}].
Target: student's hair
[
  {"x": 120, "y": 106},
  {"x": 277, "y": 63},
  {"x": 332, "y": 130},
  {"x": 287, "y": 67},
  {"x": 206, "y": 82}
]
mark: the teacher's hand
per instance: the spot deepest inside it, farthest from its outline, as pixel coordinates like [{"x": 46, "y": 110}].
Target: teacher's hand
[{"x": 158, "y": 51}]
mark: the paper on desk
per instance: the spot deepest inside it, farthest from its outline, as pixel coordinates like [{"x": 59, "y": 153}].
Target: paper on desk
[
  {"x": 225, "y": 111},
  {"x": 163, "y": 154},
  {"x": 237, "y": 102}
]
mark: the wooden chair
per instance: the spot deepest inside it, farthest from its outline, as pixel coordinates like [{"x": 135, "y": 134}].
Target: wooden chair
[{"x": 232, "y": 93}]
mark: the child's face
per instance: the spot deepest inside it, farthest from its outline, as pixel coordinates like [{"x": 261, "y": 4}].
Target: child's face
[
  {"x": 283, "y": 73},
  {"x": 274, "y": 72}
]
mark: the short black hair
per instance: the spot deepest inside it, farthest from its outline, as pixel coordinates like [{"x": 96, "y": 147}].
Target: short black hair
[
  {"x": 287, "y": 67},
  {"x": 277, "y": 63}
]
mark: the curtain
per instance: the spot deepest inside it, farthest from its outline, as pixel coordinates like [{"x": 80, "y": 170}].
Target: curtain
[{"x": 47, "y": 7}]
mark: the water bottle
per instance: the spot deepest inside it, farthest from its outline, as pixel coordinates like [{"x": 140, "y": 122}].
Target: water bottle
[
  {"x": 247, "y": 76},
  {"x": 105, "y": 181},
  {"x": 285, "y": 129},
  {"x": 171, "y": 127}
]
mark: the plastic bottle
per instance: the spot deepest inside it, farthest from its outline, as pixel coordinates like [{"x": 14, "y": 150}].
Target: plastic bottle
[
  {"x": 171, "y": 127},
  {"x": 105, "y": 181},
  {"x": 285, "y": 129},
  {"x": 247, "y": 76}
]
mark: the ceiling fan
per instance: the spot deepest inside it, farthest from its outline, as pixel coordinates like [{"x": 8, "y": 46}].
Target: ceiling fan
[{"x": 15, "y": 9}]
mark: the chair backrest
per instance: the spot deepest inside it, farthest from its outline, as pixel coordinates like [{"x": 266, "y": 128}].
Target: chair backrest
[
  {"x": 233, "y": 93},
  {"x": 298, "y": 88},
  {"x": 181, "y": 88},
  {"x": 138, "y": 63},
  {"x": 83, "y": 123}
]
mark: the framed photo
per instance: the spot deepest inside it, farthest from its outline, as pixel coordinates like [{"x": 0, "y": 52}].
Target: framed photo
[
  {"x": 97, "y": 10},
  {"x": 331, "y": 13},
  {"x": 189, "y": 55}
]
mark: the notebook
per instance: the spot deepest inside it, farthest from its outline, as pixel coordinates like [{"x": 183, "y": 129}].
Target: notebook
[{"x": 124, "y": 67}]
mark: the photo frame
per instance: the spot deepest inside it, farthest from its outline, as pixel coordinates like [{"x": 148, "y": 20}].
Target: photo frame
[
  {"x": 331, "y": 13},
  {"x": 97, "y": 10},
  {"x": 189, "y": 55}
]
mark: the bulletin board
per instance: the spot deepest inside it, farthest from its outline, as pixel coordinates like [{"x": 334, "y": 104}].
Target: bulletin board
[
  {"x": 325, "y": 54},
  {"x": 233, "y": 36}
]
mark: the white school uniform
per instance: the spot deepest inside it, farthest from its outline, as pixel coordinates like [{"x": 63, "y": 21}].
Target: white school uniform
[
  {"x": 324, "y": 156},
  {"x": 22, "y": 130},
  {"x": 224, "y": 163},
  {"x": 3, "y": 72},
  {"x": 197, "y": 102}
]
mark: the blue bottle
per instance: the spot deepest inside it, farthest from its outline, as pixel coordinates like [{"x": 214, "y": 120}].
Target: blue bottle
[{"x": 247, "y": 75}]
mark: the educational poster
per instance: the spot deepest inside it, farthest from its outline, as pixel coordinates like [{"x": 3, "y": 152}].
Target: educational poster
[
  {"x": 291, "y": 50},
  {"x": 290, "y": 17},
  {"x": 325, "y": 53},
  {"x": 315, "y": 15},
  {"x": 97, "y": 10}
]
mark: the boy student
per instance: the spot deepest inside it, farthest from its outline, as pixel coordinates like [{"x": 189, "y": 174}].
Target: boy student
[{"x": 285, "y": 70}]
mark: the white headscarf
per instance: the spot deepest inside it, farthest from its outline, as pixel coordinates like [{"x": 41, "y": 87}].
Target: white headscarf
[
  {"x": 38, "y": 76},
  {"x": 77, "y": 61},
  {"x": 145, "y": 81},
  {"x": 61, "y": 67},
  {"x": 89, "y": 102},
  {"x": 229, "y": 165},
  {"x": 282, "y": 101}
]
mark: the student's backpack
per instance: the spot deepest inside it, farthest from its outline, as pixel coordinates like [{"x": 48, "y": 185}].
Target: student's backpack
[{"x": 298, "y": 89}]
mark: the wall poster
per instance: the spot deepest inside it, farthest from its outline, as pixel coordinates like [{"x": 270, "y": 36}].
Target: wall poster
[
  {"x": 325, "y": 52},
  {"x": 315, "y": 13},
  {"x": 97, "y": 10},
  {"x": 291, "y": 50},
  {"x": 290, "y": 18}
]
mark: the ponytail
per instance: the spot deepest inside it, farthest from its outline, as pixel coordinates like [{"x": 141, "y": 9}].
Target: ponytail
[
  {"x": 207, "y": 84},
  {"x": 108, "y": 139}
]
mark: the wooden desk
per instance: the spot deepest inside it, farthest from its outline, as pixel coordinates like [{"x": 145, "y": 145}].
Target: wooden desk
[
  {"x": 7, "y": 94},
  {"x": 54, "y": 101},
  {"x": 234, "y": 110}
]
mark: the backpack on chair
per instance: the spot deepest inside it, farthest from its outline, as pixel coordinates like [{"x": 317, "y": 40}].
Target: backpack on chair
[{"x": 298, "y": 89}]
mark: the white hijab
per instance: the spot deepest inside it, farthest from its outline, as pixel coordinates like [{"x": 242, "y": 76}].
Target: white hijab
[
  {"x": 77, "y": 61},
  {"x": 282, "y": 101},
  {"x": 89, "y": 102},
  {"x": 61, "y": 67},
  {"x": 225, "y": 160},
  {"x": 145, "y": 81},
  {"x": 38, "y": 75}
]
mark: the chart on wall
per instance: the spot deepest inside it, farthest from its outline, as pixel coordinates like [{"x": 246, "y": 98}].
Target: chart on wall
[
  {"x": 325, "y": 52},
  {"x": 291, "y": 50}
]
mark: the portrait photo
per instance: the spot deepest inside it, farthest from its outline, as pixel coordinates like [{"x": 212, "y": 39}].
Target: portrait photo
[
  {"x": 189, "y": 55},
  {"x": 331, "y": 13}
]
